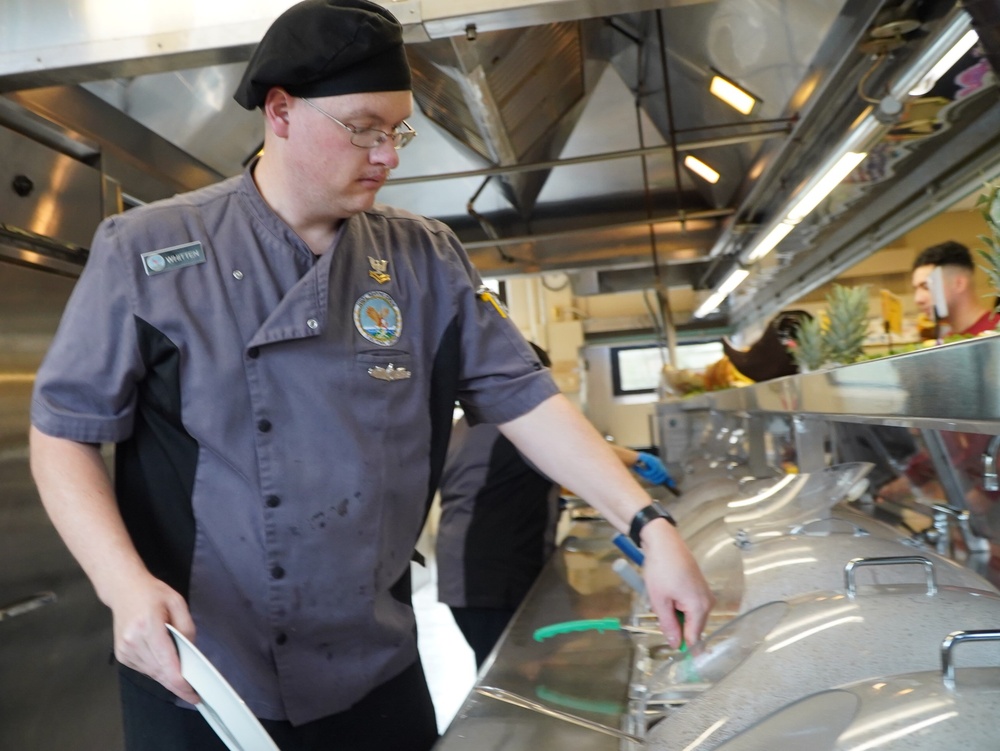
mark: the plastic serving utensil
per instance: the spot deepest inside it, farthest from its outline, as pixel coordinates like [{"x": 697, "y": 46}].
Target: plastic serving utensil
[
  {"x": 567, "y": 627},
  {"x": 629, "y": 548},
  {"x": 600, "y": 625},
  {"x": 629, "y": 575}
]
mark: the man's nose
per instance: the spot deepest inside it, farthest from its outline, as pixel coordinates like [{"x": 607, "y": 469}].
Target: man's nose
[{"x": 386, "y": 154}]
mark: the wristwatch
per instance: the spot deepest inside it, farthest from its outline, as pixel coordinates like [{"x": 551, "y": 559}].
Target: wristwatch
[{"x": 644, "y": 516}]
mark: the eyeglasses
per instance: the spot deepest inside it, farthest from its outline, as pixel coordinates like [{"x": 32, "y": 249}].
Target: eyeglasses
[{"x": 369, "y": 138}]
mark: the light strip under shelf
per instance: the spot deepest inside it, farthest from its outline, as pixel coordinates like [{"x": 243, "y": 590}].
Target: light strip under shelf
[
  {"x": 946, "y": 63},
  {"x": 735, "y": 279},
  {"x": 833, "y": 177}
]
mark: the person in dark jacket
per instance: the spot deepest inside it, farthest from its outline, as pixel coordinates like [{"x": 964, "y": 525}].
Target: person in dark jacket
[{"x": 498, "y": 525}]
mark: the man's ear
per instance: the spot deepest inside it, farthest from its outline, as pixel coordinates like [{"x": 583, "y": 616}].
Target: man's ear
[
  {"x": 276, "y": 109},
  {"x": 962, "y": 282}
]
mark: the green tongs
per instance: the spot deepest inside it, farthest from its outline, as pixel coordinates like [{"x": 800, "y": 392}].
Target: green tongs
[{"x": 600, "y": 625}]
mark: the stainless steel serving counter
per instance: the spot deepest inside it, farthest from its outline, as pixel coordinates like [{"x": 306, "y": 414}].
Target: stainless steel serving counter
[
  {"x": 583, "y": 674},
  {"x": 950, "y": 387}
]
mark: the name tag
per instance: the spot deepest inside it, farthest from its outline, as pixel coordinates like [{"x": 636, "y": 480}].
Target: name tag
[{"x": 177, "y": 257}]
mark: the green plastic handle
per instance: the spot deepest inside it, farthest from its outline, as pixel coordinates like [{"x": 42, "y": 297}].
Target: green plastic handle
[{"x": 599, "y": 624}]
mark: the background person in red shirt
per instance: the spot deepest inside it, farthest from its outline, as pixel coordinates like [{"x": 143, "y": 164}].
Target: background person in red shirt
[{"x": 967, "y": 313}]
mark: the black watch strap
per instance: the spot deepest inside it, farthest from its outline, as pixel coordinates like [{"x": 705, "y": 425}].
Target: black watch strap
[{"x": 644, "y": 516}]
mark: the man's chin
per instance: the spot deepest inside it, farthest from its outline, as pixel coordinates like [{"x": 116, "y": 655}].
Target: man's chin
[{"x": 361, "y": 202}]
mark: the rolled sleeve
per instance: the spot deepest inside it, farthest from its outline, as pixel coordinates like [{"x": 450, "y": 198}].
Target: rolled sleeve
[{"x": 85, "y": 388}]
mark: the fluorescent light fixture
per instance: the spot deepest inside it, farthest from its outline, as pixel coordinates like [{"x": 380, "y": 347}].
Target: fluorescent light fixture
[
  {"x": 834, "y": 176},
  {"x": 731, "y": 94},
  {"x": 714, "y": 300},
  {"x": 770, "y": 240},
  {"x": 734, "y": 280},
  {"x": 701, "y": 169},
  {"x": 946, "y": 63},
  {"x": 949, "y": 44},
  {"x": 817, "y": 188}
]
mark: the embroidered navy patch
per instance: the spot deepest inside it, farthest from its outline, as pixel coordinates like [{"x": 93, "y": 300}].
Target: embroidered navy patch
[{"x": 377, "y": 318}]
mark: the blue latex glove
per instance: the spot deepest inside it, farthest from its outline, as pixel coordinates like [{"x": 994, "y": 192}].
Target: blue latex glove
[{"x": 651, "y": 469}]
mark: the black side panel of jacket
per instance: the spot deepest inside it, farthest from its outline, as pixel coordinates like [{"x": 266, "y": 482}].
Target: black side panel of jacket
[
  {"x": 444, "y": 392},
  {"x": 155, "y": 468}
]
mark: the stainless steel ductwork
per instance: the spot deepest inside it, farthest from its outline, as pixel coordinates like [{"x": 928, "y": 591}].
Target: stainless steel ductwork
[{"x": 552, "y": 134}]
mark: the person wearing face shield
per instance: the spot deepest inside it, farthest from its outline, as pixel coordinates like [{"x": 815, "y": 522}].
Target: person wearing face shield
[{"x": 965, "y": 315}]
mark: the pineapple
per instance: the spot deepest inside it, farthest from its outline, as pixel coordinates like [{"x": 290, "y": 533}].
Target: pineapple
[
  {"x": 809, "y": 347},
  {"x": 990, "y": 201},
  {"x": 847, "y": 324}
]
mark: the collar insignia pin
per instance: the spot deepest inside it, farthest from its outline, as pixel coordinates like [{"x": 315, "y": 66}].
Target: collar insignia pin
[
  {"x": 486, "y": 295},
  {"x": 378, "y": 270}
]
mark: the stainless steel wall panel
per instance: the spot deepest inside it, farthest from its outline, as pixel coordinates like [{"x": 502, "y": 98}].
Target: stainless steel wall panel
[
  {"x": 61, "y": 196},
  {"x": 58, "y": 687}
]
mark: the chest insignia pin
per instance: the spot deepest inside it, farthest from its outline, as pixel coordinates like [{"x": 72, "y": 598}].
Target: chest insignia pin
[
  {"x": 389, "y": 373},
  {"x": 378, "y": 270},
  {"x": 378, "y": 319}
]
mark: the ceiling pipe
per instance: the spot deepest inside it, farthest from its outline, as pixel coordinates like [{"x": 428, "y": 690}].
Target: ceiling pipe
[
  {"x": 485, "y": 223},
  {"x": 701, "y": 143},
  {"x": 662, "y": 320},
  {"x": 687, "y": 216},
  {"x": 662, "y": 297},
  {"x": 671, "y": 133}
]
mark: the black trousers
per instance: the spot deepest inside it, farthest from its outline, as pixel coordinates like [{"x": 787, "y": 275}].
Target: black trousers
[
  {"x": 396, "y": 716},
  {"x": 482, "y": 628}
]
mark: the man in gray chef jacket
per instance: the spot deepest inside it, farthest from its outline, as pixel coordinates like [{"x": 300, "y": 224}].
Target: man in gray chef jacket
[{"x": 276, "y": 358}]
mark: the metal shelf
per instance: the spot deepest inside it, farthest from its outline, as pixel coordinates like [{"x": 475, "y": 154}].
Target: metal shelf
[{"x": 951, "y": 387}]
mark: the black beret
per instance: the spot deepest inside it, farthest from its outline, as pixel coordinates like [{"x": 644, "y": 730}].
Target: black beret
[{"x": 322, "y": 48}]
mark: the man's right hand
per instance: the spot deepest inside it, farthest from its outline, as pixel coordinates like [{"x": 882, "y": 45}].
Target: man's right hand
[
  {"x": 76, "y": 490},
  {"x": 142, "y": 641}
]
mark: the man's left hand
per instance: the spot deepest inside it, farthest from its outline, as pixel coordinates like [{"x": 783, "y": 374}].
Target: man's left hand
[{"x": 674, "y": 583}]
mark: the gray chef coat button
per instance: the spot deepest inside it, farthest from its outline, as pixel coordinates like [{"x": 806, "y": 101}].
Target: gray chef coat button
[
  {"x": 312, "y": 323},
  {"x": 280, "y": 639},
  {"x": 237, "y": 274},
  {"x": 272, "y": 501},
  {"x": 253, "y": 353},
  {"x": 264, "y": 426},
  {"x": 277, "y": 572}
]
